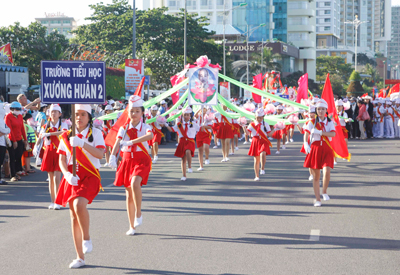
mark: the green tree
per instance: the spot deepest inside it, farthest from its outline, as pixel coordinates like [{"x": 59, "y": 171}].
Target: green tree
[
  {"x": 269, "y": 60},
  {"x": 332, "y": 65},
  {"x": 355, "y": 88}
]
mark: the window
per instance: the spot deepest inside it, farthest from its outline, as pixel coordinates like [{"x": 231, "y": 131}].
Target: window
[
  {"x": 327, "y": 28},
  {"x": 327, "y": 4},
  {"x": 220, "y": 19},
  {"x": 327, "y": 11},
  {"x": 44, "y": 22},
  {"x": 327, "y": 20},
  {"x": 172, "y": 3},
  {"x": 66, "y": 22}
]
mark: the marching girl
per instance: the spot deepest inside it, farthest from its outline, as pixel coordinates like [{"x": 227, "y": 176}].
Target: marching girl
[
  {"x": 225, "y": 133},
  {"x": 278, "y": 135},
  {"x": 203, "y": 137},
  {"x": 319, "y": 155},
  {"x": 80, "y": 190},
  {"x": 311, "y": 115},
  {"x": 260, "y": 143},
  {"x": 186, "y": 130},
  {"x": 342, "y": 113},
  {"x": 215, "y": 129},
  {"x": 236, "y": 135},
  {"x": 108, "y": 124},
  {"x": 50, "y": 133},
  {"x": 134, "y": 170},
  {"x": 157, "y": 134}
]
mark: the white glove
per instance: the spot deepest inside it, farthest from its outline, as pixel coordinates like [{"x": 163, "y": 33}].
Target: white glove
[
  {"x": 45, "y": 134},
  {"x": 307, "y": 147},
  {"x": 35, "y": 150},
  {"x": 113, "y": 162},
  {"x": 316, "y": 132},
  {"x": 126, "y": 143},
  {"x": 71, "y": 179},
  {"x": 76, "y": 142}
]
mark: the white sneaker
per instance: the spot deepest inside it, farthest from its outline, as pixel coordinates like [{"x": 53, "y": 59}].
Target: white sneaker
[
  {"x": 130, "y": 232},
  {"x": 177, "y": 144},
  {"x": 227, "y": 159},
  {"x": 277, "y": 153},
  {"x": 223, "y": 160},
  {"x": 183, "y": 178},
  {"x": 51, "y": 206},
  {"x": 155, "y": 158},
  {"x": 250, "y": 140},
  {"x": 190, "y": 170},
  {"x": 106, "y": 164},
  {"x": 310, "y": 178},
  {"x": 87, "y": 246},
  {"x": 334, "y": 162},
  {"x": 232, "y": 153},
  {"x": 291, "y": 140},
  {"x": 154, "y": 161},
  {"x": 47, "y": 179},
  {"x": 219, "y": 143},
  {"x": 326, "y": 197},
  {"x": 283, "y": 147},
  {"x": 237, "y": 148},
  {"x": 287, "y": 142},
  {"x": 317, "y": 203},
  {"x": 207, "y": 162},
  {"x": 262, "y": 172},
  {"x": 256, "y": 179},
  {"x": 270, "y": 138},
  {"x": 57, "y": 206},
  {"x": 138, "y": 221},
  {"x": 215, "y": 147},
  {"x": 200, "y": 169},
  {"x": 245, "y": 142},
  {"x": 77, "y": 263}
]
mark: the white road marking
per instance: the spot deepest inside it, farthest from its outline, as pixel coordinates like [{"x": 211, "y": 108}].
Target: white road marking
[
  {"x": 314, "y": 235},
  {"x": 112, "y": 184}
]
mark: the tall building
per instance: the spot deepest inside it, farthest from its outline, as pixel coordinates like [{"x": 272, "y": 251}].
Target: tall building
[
  {"x": 394, "y": 44},
  {"x": 58, "y": 21},
  {"x": 382, "y": 25}
]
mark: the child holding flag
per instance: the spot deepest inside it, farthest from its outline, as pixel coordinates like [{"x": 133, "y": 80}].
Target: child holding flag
[{"x": 157, "y": 133}]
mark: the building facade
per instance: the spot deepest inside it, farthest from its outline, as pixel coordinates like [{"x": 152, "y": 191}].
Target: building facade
[
  {"x": 394, "y": 44},
  {"x": 58, "y": 21}
]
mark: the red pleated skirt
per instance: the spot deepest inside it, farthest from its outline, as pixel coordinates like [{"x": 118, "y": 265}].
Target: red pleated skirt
[
  {"x": 50, "y": 159},
  {"x": 237, "y": 129},
  {"x": 183, "y": 145},
  {"x": 320, "y": 156},
  {"x": 203, "y": 138},
  {"x": 215, "y": 128},
  {"x": 88, "y": 187},
  {"x": 29, "y": 154},
  {"x": 258, "y": 145},
  {"x": 290, "y": 126},
  {"x": 225, "y": 131},
  {"x": 277, "y": 134},
  {"x": 345, "y": 132},
  {"x": 138, "y": 165},
  {"x": 156, "y": 138}
]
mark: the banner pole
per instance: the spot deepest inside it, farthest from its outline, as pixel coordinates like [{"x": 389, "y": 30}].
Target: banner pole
[{"x": 73, "y": 134}]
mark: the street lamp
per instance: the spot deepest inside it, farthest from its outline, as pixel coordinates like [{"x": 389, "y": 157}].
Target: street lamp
[
  {"x": 184, "y": 36},
  {"x": 355, "y": 23},
  {"x": 134, "y": 31},
  {"x": 384, "y": 73},
  {"x": 250, "y": 32},
  {"x": 225, "y": 14}
]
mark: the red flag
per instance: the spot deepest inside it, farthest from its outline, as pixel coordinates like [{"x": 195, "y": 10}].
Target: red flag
[
  {"x": 338, "y": 144},
  {"x": 123, "y": 119},
  {"x": 257, "y": 83},
  {"x": 394, "y": 89},
  {"x": 302, "y": 91},
  {"x": 5, "y": 51}
]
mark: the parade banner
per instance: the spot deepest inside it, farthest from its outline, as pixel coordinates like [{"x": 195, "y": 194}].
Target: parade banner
[
  {"x": 134, "y": 71},
  {"x": 203, "y": 86},
  {"x": 225, "y": 90},
  {"x": 6, "y": 53},
  {"x": 247, "y": 95},
  {"x": 69, "y": 82}
]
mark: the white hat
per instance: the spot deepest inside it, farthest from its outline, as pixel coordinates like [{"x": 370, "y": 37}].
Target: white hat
[
  {"x": 388, "y": 102},
  {"x": 322, "y": 103},
  {"x": 55, "y": 107},
  {"x": 43, "y": 105},
  {"x": 314, "y": 100},
  {"x": 339, "y": 102},
  {"x": 397, "y": 100},
  {"x": 280, "y": 107},
  {"x": 154, "y": 108},
  {"x": 163, "y": 102},
  {"x": 260, "y": 112},
  {"x": 367, "y": 97},
  {"x": 135, "y": 101},
  {"x": 180, "y": 107},
  {"x": 83, "y": 107},
  {"x": 311, "y": 109},
  {"x": 111, "y": 101},
  {"x": 108, "y": 108},
  {"x": 187, "y": 110}
]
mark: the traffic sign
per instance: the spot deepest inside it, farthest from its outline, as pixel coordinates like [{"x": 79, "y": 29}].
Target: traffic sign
[
  {"x": 69, "y": 82},
  {"x": 146, "y": 80}
]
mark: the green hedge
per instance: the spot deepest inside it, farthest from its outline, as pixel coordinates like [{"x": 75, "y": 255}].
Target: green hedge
[{"x": 115, "y": 86}]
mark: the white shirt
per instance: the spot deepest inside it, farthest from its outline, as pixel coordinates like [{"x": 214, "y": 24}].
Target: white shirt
[
  {"x": 64, "y": 127},
  {"x": 219, "y": 117},
  {"x": 142, "y": 130},
  {"x": 254, "y": 132},
  {"x": 204, "y": 122},
  {"x": 98, "y": 142},
  {"x": 343, "y": 120},
  {"x": 191, "y": 132},
  {"x": 158, "y": 126},
  {"x": 329, "y": 127}
]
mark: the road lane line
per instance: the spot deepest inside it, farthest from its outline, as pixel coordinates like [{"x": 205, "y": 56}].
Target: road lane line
[{"x": 314, "y": 235}]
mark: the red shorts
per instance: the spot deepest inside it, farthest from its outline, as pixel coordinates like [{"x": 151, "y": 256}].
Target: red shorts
[
  {"x": 225, "y": 131},
  {"x": 185, "y": 144},
  {"x": 138, "y": 165},
  {"x": 29, "y": 154},
  {"x": 203, "y": 138},
  {"x": 320, "y": 156},
  {"x": 88, "y": 187},
  {"x": 345, "y": 132},
  {"x": 258, "y": 145},
  {"x": 156, "y": 138},
  {"x": 50, "y": 159}
]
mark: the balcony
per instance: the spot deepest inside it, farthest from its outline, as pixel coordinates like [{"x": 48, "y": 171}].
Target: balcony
[
  {"x": 304, "y": 44},
  {"x": 301, "y": 12},
  {"x": 301, "y": 28},
  {"x": 307, "y": 54}
]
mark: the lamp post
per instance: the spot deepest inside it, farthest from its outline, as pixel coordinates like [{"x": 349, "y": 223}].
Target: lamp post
[
  {"x": 225, "y": 15},
  {"x": 356, "y": 23},
  {"x": 384, "y": 73},
  {"x": 249, "y": 32},
  {"x": 134, "y": 31},
  {"x": 184, "y": 36}
]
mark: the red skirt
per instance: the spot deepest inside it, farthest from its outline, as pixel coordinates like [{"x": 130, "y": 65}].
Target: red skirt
[
  {"x": 345, "y": 132},
  {"x": 258, "y": 145},
  {"x": 302, "y": 150},
  {"x": 203, "y": 138},
  {"x": 277, "y": 134},
  {"x": 320, "y": 156},
  {"x": 88, "y": 187},
  {"x": 29, "y": 154},
  {"x": 185, "y": 144},
  {"x": 225, "y": 131},
  {"x": 138, "y": 165},
  {"x": 50, "y": 159},
  {"x": 156, "y": 138},
  {"x": 215, "y": 128},
  {"x": 237, "y": 129},
  {"x": 290, "y": 126}
]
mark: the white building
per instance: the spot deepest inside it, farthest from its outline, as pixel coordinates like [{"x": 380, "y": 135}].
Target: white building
[{"x": 58, "y": 21}]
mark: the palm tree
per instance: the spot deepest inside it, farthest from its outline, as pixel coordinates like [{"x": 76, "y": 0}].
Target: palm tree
[{"x": 268, "y": 60}]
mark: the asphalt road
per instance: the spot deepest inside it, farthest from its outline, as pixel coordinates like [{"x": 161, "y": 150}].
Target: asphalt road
[{"x": 220, "y": 221}]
